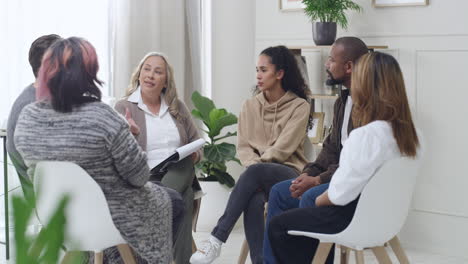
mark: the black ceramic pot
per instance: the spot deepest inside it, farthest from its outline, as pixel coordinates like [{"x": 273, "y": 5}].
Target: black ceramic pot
[{"x": 324, "y": 33}]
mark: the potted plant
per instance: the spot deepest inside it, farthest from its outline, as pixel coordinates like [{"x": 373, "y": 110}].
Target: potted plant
[
  {"x": 215, "y": 154},
  {"x": 211, "y": 170},
  {"x": 326, "y": 14}
]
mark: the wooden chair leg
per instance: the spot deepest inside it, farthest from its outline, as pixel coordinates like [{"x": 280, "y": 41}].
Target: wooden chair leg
[
  {"x": 344, "y": 258},
  {"x": 98, "y": 257},
  {"x": 322, "y": 253},
  {"x": 381, "y": 255},
  {"x": 359, "y": 257},
  {"x": 243, "y": 253},
  {"x": 126, "y": 254},
  {"x": 398, "y": 250},
  {"x": 194, "y": 246},
  {"x": 68, "y": 258}
]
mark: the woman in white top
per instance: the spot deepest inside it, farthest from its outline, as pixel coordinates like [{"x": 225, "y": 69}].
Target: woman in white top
[
  {"x": 161, "y": 123},
  {"x": 384, "y": 131}
]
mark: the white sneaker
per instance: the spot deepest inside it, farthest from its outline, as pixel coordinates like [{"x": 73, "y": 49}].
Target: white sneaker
[{"x": 208, "y": 251}]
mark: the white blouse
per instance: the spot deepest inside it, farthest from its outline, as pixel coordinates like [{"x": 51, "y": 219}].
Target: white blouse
[
  {"x": 366, "y": 149},
  {"x": 162, "y": 135}
]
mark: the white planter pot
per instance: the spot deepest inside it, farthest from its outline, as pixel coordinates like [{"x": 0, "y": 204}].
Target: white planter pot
[{"x": 213, "y": 204}]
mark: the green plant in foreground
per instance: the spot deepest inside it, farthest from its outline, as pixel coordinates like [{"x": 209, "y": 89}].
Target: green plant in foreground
[
  {"x": 330, "y": 10},
  {"x": 215, "y": 155},
  {"x": 45, "y": 247}
]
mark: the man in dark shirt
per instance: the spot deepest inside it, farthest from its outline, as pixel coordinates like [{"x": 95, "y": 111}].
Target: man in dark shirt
[
  {"x": 36, "y": 52},
  {"x": 289, "y": 194}
]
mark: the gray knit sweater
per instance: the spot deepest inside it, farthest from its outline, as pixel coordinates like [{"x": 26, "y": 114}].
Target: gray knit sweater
[{"x": 96, "y": 138}]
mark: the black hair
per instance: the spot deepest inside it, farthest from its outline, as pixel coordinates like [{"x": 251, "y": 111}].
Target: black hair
[
  {"x": 69, "y": 74},
  {"x": 283, "y": 59},
  {"x": 353, "y": 47}
]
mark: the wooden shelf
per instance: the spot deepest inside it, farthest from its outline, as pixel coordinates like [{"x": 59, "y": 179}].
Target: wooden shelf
[
  {"x": 327, "y": 46},
  {"x": 323, "y": 96}
]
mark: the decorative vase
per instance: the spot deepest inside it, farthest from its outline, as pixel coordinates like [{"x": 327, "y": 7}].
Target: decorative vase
[{"x": 324, "y": 33}]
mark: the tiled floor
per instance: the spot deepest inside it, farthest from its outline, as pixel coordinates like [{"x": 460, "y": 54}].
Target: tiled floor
[
  {"x": 231, "y": 249},
  {"x": 230, "y": 253}
]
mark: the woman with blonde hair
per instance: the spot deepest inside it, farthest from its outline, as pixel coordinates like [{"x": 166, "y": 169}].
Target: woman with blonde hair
[
  {"x": 161, "y": 123},
  {"x": 384, "y": 130}
]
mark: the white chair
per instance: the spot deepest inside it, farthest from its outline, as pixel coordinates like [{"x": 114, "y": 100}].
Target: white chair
[
  {"x": 380, "y": 214},
  {"x": 89, "y": 225}
]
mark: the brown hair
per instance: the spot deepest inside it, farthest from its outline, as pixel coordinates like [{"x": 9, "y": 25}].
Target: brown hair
[
  {"x": 378, "y": 93},
  {"x": 38, "y": 49}
]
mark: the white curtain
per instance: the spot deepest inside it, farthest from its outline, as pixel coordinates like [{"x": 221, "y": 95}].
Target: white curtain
[
  {"x": 22, "y": 21},
  {"x": 194, "y": 22},
  {"x": 135, "y": 27},
  {"x": 143, "y": 26},
  {"x": 122, "y": 31}
]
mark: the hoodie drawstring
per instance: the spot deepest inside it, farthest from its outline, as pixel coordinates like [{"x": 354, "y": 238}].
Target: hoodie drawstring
[
  {"x": 263, "y": 120},
  {"x": 273, "y": 125}
]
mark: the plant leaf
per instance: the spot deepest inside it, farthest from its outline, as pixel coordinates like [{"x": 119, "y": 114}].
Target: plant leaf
[
  {"x": 330, "y": 10},
  {"x": 197, "y": 114},
  {"x": 225, "y": 178},
  {"x": 52, "y": 235},
  {"x": 220, "y": 118},
  {"x": 220, "y": 152},
  {"x": 21, "y": 213},
  {"x": 203, "y": 105}
]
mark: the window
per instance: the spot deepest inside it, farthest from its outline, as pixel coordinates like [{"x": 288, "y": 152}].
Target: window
[{"x": 22, "y": 21}]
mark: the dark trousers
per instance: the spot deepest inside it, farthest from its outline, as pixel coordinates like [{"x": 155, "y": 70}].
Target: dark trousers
[
  {"x": 248, "y": 197},
  {"x": 301, "y": 249},
  {"x": 179, "y": 179}
]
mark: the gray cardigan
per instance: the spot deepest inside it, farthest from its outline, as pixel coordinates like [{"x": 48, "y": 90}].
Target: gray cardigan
[{"x": 98, "y": 139}]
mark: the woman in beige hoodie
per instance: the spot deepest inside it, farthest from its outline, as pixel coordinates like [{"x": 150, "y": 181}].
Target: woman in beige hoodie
[{"x": 271, "y": 133}]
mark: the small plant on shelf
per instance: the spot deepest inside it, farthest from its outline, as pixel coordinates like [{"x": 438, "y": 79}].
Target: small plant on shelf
[{"x": 325, "y": 15}]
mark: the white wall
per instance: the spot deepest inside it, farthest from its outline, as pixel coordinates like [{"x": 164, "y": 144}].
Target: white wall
[
  {"x": 233, "y": 57},
  {"x": 431, "y": 45}
]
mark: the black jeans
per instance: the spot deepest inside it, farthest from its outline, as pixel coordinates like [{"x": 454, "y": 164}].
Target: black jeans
[
  {"x": 248, "y": 197},
  {"x": 300, "y": 249}
]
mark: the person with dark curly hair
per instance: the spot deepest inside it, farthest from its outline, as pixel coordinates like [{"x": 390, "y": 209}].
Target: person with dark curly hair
[{"x": 271, "y": 133}]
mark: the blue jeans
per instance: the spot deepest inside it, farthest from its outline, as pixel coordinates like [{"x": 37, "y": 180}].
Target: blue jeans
[{"x": 280, "y": 200}]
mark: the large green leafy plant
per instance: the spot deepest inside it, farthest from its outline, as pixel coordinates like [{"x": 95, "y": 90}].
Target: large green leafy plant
[
  {"x": 46, "y": 246},
  {"x": 215, "y": 154},
  {"x": 330, "y": 10}
]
